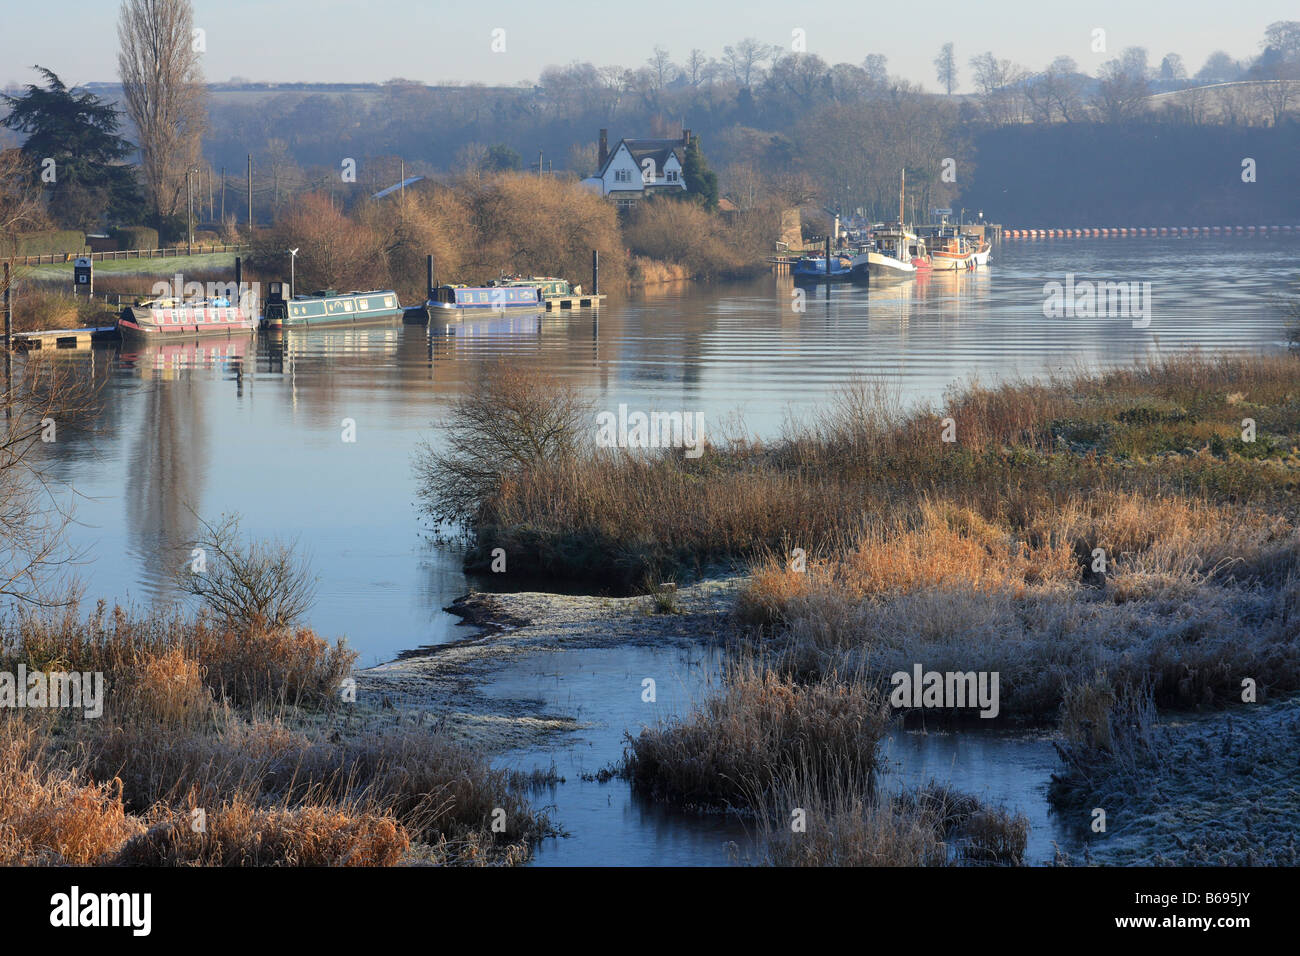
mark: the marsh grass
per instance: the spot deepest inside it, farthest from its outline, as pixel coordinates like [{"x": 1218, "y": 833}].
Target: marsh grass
[
  {"x": 1168, "y": 429},
  {"x": 849, "y": 824},
  {"x": 760, "y": 726},
  {"x": 246, "y": 726}
]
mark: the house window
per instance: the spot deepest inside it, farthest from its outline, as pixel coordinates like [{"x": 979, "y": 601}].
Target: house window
[
  {"x": 672, "y": 175},
  {"x": 622, "y": 175}
]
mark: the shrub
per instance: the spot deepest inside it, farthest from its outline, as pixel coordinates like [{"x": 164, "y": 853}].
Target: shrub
[
  {"x": 248, "y": 584},
  {"x": 136, "y": 237},
  {"x": 511, "y": 420}
]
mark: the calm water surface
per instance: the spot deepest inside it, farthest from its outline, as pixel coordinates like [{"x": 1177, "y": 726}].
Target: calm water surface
[{"x": 255, "y": 427}]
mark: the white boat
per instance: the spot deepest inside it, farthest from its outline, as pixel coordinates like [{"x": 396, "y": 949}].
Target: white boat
[{"x": 894, "y": 252}]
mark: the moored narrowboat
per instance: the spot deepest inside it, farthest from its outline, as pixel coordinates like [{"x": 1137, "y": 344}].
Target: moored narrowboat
[
  {"x": 499, "y": 298},
  {"x": 551, "y": 287},
  {"x": 327, "y": 307},
  {"x": 169, "y": 318}
]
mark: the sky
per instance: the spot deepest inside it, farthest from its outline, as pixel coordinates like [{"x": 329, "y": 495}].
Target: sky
[{"x": 436, "y": 41}]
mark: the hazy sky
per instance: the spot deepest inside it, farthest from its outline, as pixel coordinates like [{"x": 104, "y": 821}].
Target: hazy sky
[{"x": 436, "y": 41}]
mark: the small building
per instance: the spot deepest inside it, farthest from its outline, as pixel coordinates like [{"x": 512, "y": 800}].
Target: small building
[{"x": 636, "y": 167}]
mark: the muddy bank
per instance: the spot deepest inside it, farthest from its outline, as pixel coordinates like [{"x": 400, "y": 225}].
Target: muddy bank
[{"x": 508, "y": 632}]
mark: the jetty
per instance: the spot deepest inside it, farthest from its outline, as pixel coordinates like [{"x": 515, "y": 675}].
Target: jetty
[
  {"x": 65, "y": 338},
  {"x": 584, "y": 301}
]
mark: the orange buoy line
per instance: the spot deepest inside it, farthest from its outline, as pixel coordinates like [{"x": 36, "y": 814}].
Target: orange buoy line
[{"x": 1109, "y": 231}]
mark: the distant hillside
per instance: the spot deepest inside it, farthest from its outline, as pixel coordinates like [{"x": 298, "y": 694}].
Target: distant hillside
[{"x": 1138, "y": 174}]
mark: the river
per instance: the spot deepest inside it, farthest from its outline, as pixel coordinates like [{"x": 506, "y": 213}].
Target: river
[{"x": 257, "y": 427}]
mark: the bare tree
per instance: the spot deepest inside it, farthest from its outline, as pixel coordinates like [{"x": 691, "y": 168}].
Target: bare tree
[
  {"x": 248, "y": 583},
  {"x": 945, "y": 65},
  {"x": 999, "y": 83},
  {"x": 662, "y": 66},
  {"x": 745, "y": 60},
  {"x": 876, "y": 66},
  {"x": 162, "y": 87},
  {"x": 1172, "y": 68},
  {"x": 696, "y": 65},
  {"x": 1123, "y": 87},
  {"x": 20, "y": 203},
  {"x": 510, "y": 421}
]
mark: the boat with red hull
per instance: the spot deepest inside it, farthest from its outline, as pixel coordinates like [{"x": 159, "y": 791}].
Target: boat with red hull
[{"x": 159, "y": 319}]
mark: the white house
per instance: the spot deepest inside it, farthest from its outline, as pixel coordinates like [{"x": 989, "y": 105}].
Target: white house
[{"x": 638, "y": 166}]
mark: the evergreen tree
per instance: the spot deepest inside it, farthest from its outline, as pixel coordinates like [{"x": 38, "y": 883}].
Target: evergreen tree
[
  {"x": 701, "y": 181},
  {"x": 87, "y": 181}
]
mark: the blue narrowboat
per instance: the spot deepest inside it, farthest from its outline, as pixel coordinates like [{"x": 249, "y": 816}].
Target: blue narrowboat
[{"x": 462, "y": 298}]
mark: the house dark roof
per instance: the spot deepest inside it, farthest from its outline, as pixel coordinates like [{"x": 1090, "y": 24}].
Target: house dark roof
[{"x": 656, "y": 149}]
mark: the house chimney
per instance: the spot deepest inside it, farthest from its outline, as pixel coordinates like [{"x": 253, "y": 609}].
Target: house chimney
[{"x": 603, "y": 152}]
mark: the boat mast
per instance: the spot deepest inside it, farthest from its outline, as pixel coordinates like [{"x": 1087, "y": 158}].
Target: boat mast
[
  {"x": 903, "y": 252},
  {"x": 902, "y": 187}
]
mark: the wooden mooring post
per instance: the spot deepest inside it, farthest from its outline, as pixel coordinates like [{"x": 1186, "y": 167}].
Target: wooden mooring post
[
  {"x": 8, "y": 309},
  {"x": 595, "y": 272}
]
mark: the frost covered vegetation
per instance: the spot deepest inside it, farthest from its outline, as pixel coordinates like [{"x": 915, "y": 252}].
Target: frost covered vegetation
[
  {"x": 246, "y": 726},
  {"x": 225, "y": 740},
  {"x": 1125, "y": 540}
]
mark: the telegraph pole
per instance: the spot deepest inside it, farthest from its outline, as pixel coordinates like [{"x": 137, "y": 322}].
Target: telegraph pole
[{"x": 250, "y": 194}]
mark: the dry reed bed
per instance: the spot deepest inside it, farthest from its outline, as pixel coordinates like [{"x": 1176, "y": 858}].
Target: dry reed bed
[
  {"x": 1022, "y": 451},
  {"x": 244, "y": 725},
  {"x": 979, "y": 556}
]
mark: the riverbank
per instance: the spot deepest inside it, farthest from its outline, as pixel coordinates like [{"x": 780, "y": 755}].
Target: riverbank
[
  {"x": 1087, "y": 547},
  {"x": 448, "y": 682},
  {"x": 184, "y": 742}
]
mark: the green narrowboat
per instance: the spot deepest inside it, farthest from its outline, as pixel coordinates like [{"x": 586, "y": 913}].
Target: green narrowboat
[{"x": 327, "y": 307}]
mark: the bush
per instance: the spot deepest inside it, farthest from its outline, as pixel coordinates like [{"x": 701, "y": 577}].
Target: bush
[
  {"x": 510, "y": 421},
  {"x": 248, "y": 584},
  {"x": 135, "y": 237},
  {"x": 48, "y": 241},
  {"x": 686, "y": 234}
]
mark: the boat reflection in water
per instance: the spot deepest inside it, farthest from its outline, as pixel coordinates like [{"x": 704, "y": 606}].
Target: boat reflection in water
[
  {"x": 485, "y": 324},
  {"x": 165, "y": 359}
]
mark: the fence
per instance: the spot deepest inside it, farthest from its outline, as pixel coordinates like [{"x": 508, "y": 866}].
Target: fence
[{"x": 54, "y": 258}]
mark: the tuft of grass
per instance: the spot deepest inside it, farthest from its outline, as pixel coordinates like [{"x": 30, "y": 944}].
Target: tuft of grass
[
  {"x": 759, "y": 727},
  {"x": 54, "y": 816},
  {"x": 240, "y": 834}
]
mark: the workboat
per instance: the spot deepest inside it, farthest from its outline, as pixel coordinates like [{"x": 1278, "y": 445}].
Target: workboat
[
  {"x": 893, "y": 252},
  {"x": 494, "y": 298},
  {"x": 327, "y": 307},
  {"x": 951, "y": 251},
  {"x": 170, "y": 318},
  {"x": 822, "y": 268}
]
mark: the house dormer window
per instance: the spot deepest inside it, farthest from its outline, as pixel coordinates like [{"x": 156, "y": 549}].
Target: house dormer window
[
  {"x": 622, "y": 175},
  {"x": 672, "y": 175}
]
